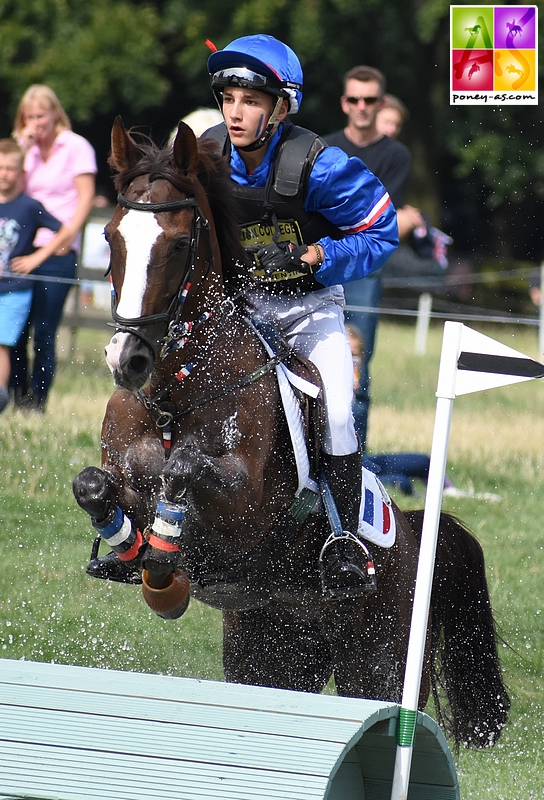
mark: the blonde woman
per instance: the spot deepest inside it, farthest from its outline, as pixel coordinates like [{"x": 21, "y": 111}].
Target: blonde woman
[{"x": 60, "y": 168}]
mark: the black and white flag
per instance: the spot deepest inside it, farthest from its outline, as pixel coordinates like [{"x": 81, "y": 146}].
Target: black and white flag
[{"x": 483, "y": 363}]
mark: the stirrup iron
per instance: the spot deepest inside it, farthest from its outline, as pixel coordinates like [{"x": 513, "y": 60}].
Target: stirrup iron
[{"x": 346, "y": 567}]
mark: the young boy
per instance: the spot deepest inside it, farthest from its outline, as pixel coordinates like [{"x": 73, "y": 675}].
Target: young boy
[
  {"x": 20, "y": 218},
  {"x": 314, "y": 219}
]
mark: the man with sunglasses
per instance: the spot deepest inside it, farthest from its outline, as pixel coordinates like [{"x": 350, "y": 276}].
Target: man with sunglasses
[
  {"x": 312, "y": 219},
  {"x": 389, "y": 160}
]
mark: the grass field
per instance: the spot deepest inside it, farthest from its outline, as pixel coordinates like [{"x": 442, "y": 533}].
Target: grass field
[{"x": 50, "y": 611}]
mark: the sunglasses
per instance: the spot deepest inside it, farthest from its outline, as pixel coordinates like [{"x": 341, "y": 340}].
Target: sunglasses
[{"x": 368, "y": 101}]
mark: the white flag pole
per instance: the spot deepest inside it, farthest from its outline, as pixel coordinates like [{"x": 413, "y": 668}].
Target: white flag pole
[{"x": 445, "y": 393}]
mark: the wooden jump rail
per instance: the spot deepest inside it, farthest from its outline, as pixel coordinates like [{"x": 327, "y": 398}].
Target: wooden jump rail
[{"x": 78, "y": 733}]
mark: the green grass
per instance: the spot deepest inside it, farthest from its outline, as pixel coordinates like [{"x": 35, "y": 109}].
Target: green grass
[{"x": 50, "y": 610}]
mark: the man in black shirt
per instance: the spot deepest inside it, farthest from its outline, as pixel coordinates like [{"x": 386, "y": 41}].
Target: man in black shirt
[{"x": 389, "y": 160}]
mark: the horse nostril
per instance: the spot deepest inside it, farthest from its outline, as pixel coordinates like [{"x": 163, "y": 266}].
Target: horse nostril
[{"x": 138, "y": 364}]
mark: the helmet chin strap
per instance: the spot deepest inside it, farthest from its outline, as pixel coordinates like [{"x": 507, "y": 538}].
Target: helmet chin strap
[{"x": 262, "y": 140}]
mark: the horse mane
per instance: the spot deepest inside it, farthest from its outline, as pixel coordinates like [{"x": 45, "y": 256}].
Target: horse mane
[{"x": 213, "y": 174}]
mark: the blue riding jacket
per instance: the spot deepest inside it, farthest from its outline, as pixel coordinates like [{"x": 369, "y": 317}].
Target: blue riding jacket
[{"x": 348, "y": 196}]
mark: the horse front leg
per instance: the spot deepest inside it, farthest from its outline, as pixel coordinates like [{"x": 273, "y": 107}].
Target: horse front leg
[
  {"x": 121, "y": 496},
  {"x": 94, "y": 492},
  {"x": 98, "y": 492},
  {"x": 215, "y": 486},
  {"x": 222, "y": 476}
]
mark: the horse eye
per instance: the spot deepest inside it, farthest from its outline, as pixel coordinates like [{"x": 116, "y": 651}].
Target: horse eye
[{"x": 180, "y": 244}]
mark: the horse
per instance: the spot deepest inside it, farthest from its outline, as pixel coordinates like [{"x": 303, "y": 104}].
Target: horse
[{"x": 196, "y": 450}]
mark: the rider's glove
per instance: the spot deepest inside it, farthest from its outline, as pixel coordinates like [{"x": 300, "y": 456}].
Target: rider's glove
[{"x": 282, "y": 257}]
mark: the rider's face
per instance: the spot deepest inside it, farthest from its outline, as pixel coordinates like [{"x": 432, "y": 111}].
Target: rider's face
[{"x": 246, "y": 113}]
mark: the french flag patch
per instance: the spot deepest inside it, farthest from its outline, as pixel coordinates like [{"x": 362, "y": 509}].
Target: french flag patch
[{"x": 376, "y": 518}]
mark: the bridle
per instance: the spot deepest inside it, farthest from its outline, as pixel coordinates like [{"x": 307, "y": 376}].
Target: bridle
[{"x": 172, "y": 315}]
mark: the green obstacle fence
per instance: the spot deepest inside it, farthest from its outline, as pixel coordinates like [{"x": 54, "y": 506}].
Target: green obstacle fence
[{"x": 74, "y": 733}]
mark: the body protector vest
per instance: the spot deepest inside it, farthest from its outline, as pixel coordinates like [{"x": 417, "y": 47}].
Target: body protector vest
[{"x": 275, "y": 212}]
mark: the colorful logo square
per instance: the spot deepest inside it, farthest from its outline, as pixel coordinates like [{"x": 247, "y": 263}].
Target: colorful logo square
[
  {"x": 472, "y": 26},
  {"x": 515, "y": 70},
  {"x": 472, "y": 70},
  {"x": 515, "y": 27}
]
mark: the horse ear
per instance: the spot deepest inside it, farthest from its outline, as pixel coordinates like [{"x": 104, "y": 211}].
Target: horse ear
[
  {"x": 125, "y": 153},
  {"x": 186, "y": 149}
]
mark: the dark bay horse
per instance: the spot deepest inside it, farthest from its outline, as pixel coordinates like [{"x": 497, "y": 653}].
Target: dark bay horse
[{"x": 198, "y": 469}]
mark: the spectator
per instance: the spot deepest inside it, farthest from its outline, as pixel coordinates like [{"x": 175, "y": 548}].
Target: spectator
[
  {"x": 391, "y": 116},
  {"x": 20, "y": 218},
  {"x": 60, "y": 168},
  {"x": 389, "y": 160},
  {"x": 535, "y": 280}
]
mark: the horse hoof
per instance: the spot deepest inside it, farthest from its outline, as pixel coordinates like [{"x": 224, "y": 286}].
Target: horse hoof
[
  {"x": 111, "y": 568},
  {"x": 171, "y": 601}
]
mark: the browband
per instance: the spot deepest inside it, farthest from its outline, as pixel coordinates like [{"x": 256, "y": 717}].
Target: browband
[{"x": 167, "y": 205}]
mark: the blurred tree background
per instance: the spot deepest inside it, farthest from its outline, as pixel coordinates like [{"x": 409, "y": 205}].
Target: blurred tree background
[{"x": 478, "y": 171}]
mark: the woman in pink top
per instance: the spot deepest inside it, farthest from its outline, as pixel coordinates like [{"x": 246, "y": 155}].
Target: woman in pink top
[{"x": 60, "y": 168}]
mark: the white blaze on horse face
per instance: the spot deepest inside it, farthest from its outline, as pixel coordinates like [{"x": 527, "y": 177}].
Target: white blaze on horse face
[{"x": 140, "y": 230}]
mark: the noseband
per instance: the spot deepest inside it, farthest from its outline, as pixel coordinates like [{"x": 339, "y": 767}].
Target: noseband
[{"x": 173, "y": 313}]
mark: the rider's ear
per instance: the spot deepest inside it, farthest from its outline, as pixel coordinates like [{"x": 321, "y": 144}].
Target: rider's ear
[
  {"x": 284, "y": 110},
  {"x": 185, "y": 150},
  {"x": 125, "y": 153}
]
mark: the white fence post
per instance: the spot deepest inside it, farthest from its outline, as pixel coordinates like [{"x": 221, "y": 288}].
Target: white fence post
[{"x": 423, "y": 317}]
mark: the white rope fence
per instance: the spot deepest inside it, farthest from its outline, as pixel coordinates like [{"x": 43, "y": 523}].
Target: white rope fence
[{"x": 424, "y": 312}]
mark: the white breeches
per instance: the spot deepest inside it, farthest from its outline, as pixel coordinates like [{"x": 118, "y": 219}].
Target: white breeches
[{"x": 313, "y": 324}]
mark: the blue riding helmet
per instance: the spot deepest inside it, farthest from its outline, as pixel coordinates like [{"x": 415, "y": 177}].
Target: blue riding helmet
[{"x": 259, "y": 62}]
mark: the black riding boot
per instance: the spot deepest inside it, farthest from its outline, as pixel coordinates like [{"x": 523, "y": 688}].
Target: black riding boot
[{"x": 345, "y": 562}]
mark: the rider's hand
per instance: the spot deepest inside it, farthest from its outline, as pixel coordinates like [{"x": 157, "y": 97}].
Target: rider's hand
[{"x": 282, "y": 257}]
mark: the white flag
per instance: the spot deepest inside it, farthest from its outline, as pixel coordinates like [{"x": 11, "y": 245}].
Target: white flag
[{"x": 481, "y": 363}]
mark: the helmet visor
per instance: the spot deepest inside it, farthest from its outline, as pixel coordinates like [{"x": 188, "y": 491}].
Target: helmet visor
[{"x": 246, "y": 78}]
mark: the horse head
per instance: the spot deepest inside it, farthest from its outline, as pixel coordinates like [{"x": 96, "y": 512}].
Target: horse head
[{"x": 157, "y": 246}]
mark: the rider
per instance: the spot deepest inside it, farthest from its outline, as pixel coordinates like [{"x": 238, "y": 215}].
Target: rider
[{"x": 312, "y": 219}]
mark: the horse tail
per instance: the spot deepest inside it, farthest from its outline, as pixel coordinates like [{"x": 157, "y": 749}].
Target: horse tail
[{"x": 470, "y": 697}]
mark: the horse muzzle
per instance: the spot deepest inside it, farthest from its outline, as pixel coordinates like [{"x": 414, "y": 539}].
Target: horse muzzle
[{"x": 130, "y": 360}]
